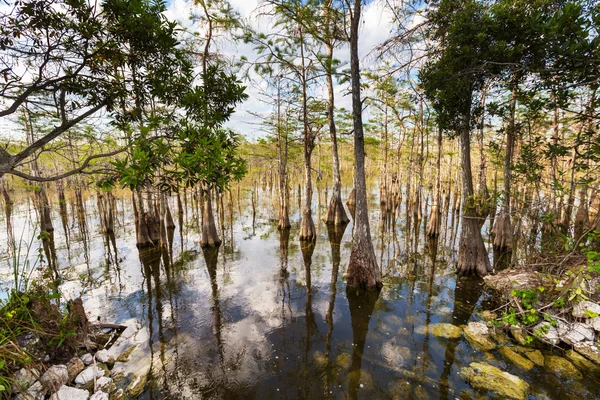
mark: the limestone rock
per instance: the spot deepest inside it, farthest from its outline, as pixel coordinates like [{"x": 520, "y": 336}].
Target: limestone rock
[
  {"x": 516, "y": 359},
  {"x": 547, "y": 333},
  {"x": 585, "y": 309},
  {"x": 87, "y": 375},
  {"x": 477, "y": 334},
  {"x": 87, "y": 359},
  {"x": 487, "y": 377},
  {"x": 23, "y": 379},
  {"x": 70, "y": 393},
  {"x": 35, "y": 392},
  {"x": 344, "y": 360},
  {"x": 124, "y": 356},
  {"x": 512, "y": 279},
  {"x": 594, "y": 323},
  {"x": 582, "y": 363},
  {"x": 55, "y": 377},
  {"x": 575, "y": 333},
  {"x": 396, "y": 356},
  {"x": 105, "y": 384},
  {"x": 136, "y": 387},
  {"x": 487, "y": 315},
  {"x": 519, "y": 335},
  {"x": 562, "y": 367},
  {"x": 74, "y": 367},
  {"x": 103, "y": 356},
  {"x": 448, "y": 331},
  {"x": 99, "y": 396},
  {"x": 589, "y": 350},
  {"x": 118, "y": 395},
  {"x": 536, "y": 356}
]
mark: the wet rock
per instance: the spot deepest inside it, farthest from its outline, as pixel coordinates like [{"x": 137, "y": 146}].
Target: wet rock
[
  {"x": 74, "y": 367},
  {"x": 35, "y": 392},
  {"x": 87, "y": 375},
  {"x": 104, "y": 368},
  {"x": 396, "y": 356},
  {"x": 124, "y": 356},
  {"x": 105, "y": 384},
  {"x": 487, "y": 315},
  {"x": 118, "y": 395},
  {"x": 516, "y": 359},
  {"x": 589, "y": 350},
  {"x": 562, "y": 367},
  {"x": 586, "y": 309},
  {"x": 535, "y": 356},
  {"x": 575, "y": 333},
  {"x": 70, "y": 393},
  {"x": 136, "y": 387},
  {"x": 487, "y": 377},
  {"x": 87, "y": 359},
  {"x": 344, "y": 360},
  {"x": 103, "y": 356},
  {"x": 477, "y": 334},
  {"x": 448, "y": 331},
  {"x": 23, "y": 379},
  {"x": 547, "y": 333},
  {"x": 319, "y": 358},
  {"x": 99, "y": 396},
  {"x": 582, "y": 363},
  {"x": 55, "y": 377},
  {"x": 520, "y": 335},
  {"x": 512, "y": 279}
]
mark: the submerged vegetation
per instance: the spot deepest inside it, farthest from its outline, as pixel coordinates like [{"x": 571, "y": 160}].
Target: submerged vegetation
[{"x": 471, "y": 132}]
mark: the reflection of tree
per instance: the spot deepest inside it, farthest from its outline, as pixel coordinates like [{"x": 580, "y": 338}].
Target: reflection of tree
[
  {"x": 335, "y": 234},
  {"x": 211, "y": 256},
  {"x": 361, "y": 303},
  {"x": 466, "y": 294},
  {"x": 308, "y": 248}
]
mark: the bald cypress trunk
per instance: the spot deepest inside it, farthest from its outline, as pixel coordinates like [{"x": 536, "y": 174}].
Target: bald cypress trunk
[
  {"x": 362, "y": 269},
  {"x": 472, "y": 255}
]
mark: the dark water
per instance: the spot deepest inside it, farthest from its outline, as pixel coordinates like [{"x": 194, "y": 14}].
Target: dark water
[{"x": 263, "y": 317}]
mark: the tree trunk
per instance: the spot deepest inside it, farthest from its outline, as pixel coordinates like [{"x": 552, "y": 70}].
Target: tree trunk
[
  {"x": 472, "y": 255},
  {"x": 336, "y": 214},
  {"x": 503, "y": 230},
  {"x": 433, "y": 229},
  {"x": 210, "y": 236},
  {"x": 362, "y": 269}
]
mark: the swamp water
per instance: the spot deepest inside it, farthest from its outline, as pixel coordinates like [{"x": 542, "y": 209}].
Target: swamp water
[{"x": 265, "y": 317}]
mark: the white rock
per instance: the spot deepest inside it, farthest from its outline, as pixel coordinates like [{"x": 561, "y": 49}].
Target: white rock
[
  {"x": 579, "y": 310},
  {"x": 70, "y": 393},
  {"x": 547, "y": 333},
  {"x": 24, "y": 378},
  {"x": 88, "y": 375},
  {"x": 87, "y": 359},
  {"x": 104, "y": 356},
  {"x": 55, "y": 377},
  {"x": 104, "y": 384},
  {"x": 35, "y": 392},
  {"x": 99, "y": 396},
  {"x": 575, "y": 333},
  {"x": 594, "y": 323}
]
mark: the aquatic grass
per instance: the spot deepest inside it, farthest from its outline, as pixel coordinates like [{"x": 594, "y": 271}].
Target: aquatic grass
[{"x": 21, "y": 264}]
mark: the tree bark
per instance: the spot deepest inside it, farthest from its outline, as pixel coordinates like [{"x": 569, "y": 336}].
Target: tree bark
[
  {"x": 362, "y": 269},
  {"x": 336, "y": 214},
  {"x": 472, "y": 255}
]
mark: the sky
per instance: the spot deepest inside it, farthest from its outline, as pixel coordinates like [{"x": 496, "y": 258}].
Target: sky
[{"x": 375, "y": 29}]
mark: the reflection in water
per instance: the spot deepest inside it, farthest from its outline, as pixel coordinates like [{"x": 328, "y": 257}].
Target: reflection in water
[
  {"x": 362, "y": 304},
  {"x": 267, "y": 316},
  {"x": 466, "y": 294}
]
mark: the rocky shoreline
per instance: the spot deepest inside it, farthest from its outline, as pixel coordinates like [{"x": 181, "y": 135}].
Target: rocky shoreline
[{"x": 101, "y": 374}]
